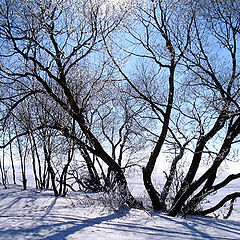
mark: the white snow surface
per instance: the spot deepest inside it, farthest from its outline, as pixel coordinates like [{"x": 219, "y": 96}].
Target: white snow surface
[{"x": 35, "y": 214}]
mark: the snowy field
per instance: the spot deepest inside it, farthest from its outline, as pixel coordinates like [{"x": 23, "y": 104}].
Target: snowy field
[{"x": 33, "y": 214}]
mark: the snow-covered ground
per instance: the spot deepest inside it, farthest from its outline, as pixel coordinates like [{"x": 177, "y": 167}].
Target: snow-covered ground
[{"x": 33, "y": 214}]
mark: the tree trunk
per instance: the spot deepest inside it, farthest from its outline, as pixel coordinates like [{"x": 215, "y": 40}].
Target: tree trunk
[
  {"x": 12, "y": 164},
  {"x": 176, "y": 208},
  {"x": 168, "y": 183},
  {"x": 219, "y": 124}
]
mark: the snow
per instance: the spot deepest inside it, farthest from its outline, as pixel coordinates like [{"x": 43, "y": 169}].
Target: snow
[{"x": 34, "y": 214}]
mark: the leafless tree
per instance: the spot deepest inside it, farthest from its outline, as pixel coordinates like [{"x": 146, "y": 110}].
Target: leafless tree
[
  {"x": 161, "y": 45},
  {"x": 213, "y": 64},
  {"x": 190, "y": 83},
  {"x": 48, "y": 43},
  {"x": 112, "y": 81}
]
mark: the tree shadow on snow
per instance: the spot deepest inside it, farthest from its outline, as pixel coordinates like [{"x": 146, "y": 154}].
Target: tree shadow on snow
[
  {"x": 58, "y": 227},
  {"x": 62, "y": 229},
  {"x": 55, "y": 226}
]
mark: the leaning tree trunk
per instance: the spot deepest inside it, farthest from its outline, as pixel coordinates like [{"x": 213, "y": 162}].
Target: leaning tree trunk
[
  {"x": 233, "y": 131},
  {"x": 219, "y": 124}
]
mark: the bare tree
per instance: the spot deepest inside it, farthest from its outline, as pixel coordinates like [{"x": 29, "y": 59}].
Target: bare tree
[
  {"x": 161, "y": 46},
  {"x": 112, "y": 80},
  {"x": 44, "y": 43},
  {"x": 216, "y": 25},
  {"x": 192, "y": 93}
]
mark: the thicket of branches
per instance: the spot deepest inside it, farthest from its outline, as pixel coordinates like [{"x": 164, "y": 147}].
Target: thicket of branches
[{"x": 89, "y": 89}]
